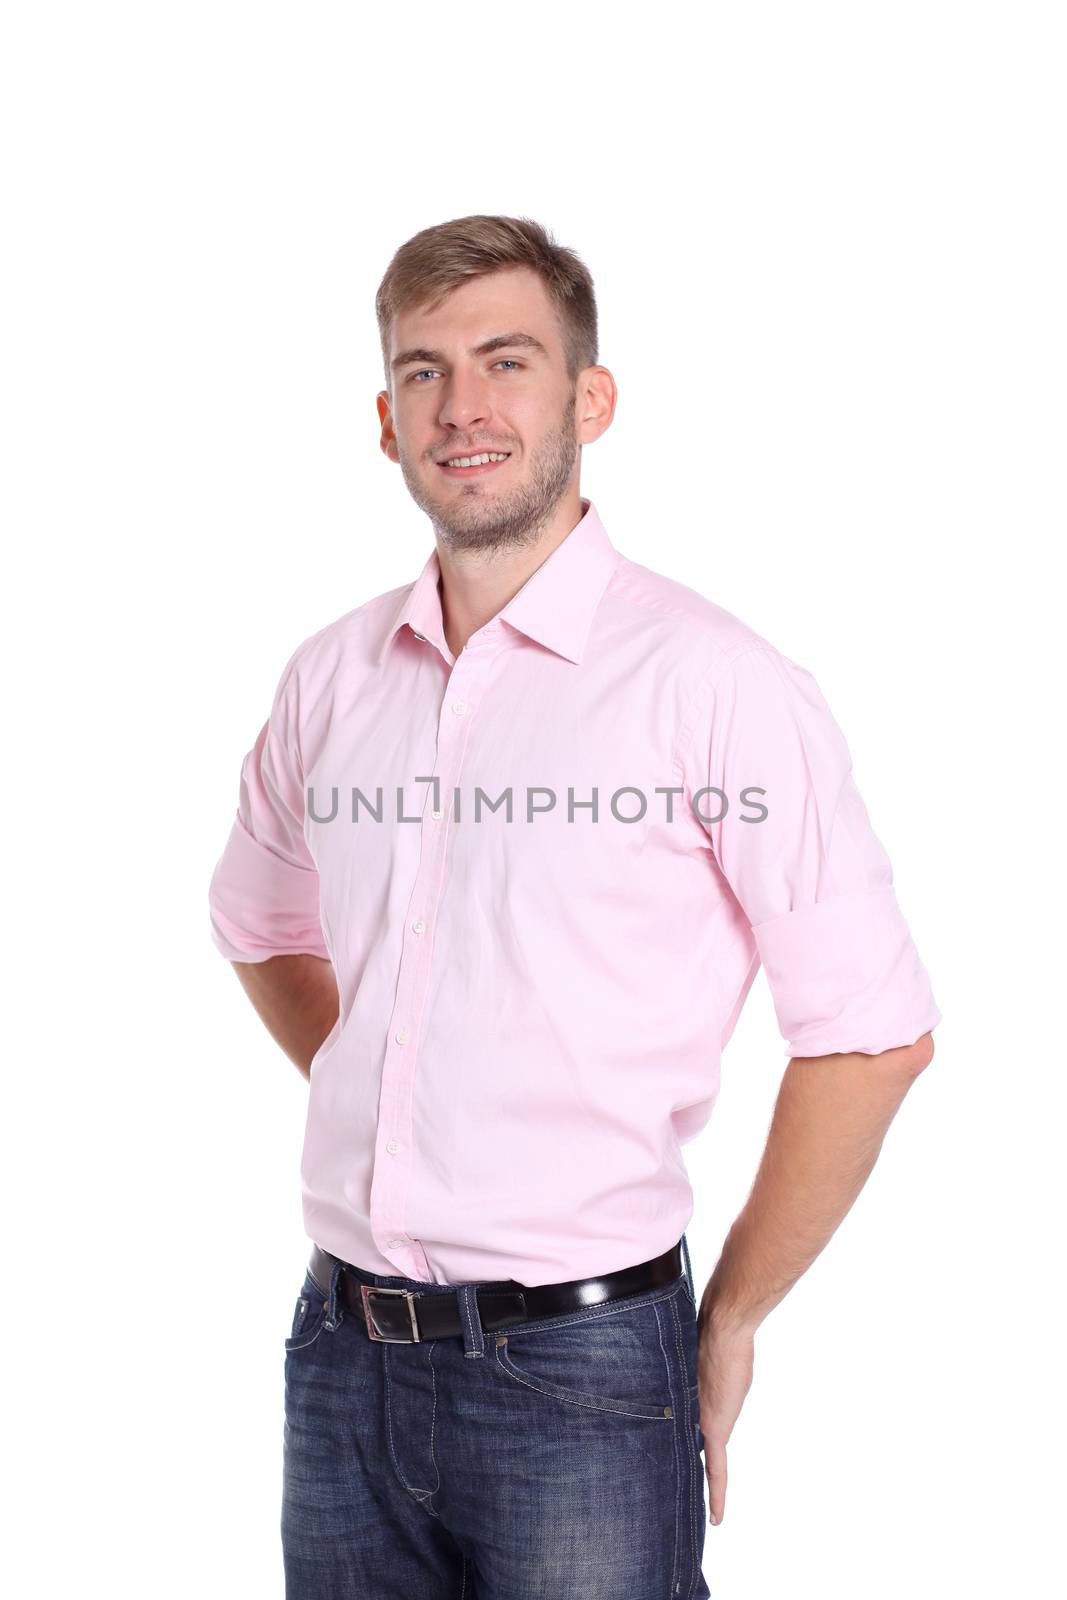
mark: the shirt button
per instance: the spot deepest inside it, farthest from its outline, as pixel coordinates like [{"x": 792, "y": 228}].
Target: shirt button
[
  {"x": 436, "y": 815},
  {"x": 396, "y": 1244},
  {"x": 459, "y": 707},
  {"x": 418, "y": 927},
  {"x": 392, "y": 1147},
  {"x": 401, "y": 1036}
]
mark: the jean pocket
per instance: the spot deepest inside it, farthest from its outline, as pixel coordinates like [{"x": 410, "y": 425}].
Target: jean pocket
[
  {"x": 309, "y": 1315},
  {"x": 613, "y": 1363}
]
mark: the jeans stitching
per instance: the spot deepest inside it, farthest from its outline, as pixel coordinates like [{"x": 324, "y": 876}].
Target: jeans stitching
[
  {"x": 433, "y": 1419},
  {"x": 294, "y": 1341},
  {"x": 674, "y": 1456},
  {"x": 465, "y": 1300},
  {"x": 304, "y": 1343},
  {"x": 574, "y": 1397},
  {"x": 421, "y": 1496},
  {"x": 689, "y": 1443},
  {"x": 389, "y": 1420}
]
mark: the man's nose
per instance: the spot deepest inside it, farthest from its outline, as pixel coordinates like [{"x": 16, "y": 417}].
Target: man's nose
[{"x": 464, "y": 400}]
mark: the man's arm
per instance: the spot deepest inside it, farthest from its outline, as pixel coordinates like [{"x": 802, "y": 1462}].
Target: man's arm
[
  {"x": 830, "y": 1118},
  {"x": 296, "y": 997}
]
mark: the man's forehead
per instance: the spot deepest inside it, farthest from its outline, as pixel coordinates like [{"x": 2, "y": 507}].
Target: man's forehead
[{"x": 498, "y": 302}]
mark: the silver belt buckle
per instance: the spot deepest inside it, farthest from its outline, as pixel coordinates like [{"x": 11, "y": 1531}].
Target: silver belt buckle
[{"x": 366, "y": 1290}]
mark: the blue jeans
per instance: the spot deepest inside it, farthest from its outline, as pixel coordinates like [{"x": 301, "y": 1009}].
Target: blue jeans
[{"x": 557, "y": 1459}]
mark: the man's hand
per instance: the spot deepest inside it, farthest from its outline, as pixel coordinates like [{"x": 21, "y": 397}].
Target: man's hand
[{"x": 724, "y": 1367}]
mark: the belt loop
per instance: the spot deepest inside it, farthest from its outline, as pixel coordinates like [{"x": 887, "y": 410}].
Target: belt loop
[
  {"x": 470, "y": 1318},
  {"x": 688, "y": 1269},
  {"x": 334, "y": 1314}
]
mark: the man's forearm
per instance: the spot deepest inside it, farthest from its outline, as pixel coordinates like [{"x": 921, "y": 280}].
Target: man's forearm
[
  {"x": 829, "y": 1121},
  {"x": 296, "y": 997}
]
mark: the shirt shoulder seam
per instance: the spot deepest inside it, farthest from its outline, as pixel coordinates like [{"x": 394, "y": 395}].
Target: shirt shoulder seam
[{"x": 705, "y": 686}]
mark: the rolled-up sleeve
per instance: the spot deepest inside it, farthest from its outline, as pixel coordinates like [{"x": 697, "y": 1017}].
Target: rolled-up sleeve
[
  {"x": 810, "y": 876},
  {"x": 264, "y": 892}
]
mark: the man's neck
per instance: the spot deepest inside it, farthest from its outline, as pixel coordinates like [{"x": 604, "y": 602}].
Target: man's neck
[{"x": 477, "y": 584}]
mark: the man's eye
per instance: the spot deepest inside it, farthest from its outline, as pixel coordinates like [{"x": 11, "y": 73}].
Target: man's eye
[{"x": 423, "y": 372}]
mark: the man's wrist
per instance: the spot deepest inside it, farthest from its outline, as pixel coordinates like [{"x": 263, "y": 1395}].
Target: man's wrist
[
  {"x": 723, "y": 1309},
  {"x": 725, "y": 1320}
]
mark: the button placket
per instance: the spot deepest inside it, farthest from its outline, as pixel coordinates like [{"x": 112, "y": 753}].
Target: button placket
[{"x": 392, "y": 1175}]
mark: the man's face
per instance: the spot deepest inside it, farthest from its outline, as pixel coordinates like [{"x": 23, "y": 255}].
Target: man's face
[{"x": 451, "y": 398}]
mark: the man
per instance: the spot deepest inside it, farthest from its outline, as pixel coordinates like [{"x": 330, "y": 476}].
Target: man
[{"x": 509, "y": 852}]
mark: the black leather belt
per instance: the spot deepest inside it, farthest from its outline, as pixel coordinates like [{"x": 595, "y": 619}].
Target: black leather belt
[{"x": 406, "y": 1316}]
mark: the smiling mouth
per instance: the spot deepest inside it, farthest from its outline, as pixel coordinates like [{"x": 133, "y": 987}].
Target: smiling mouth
[{"x": 480, "y": 464}]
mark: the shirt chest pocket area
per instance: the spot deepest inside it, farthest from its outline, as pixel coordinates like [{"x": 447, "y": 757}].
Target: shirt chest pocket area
[{"x": 551, "y": 844}]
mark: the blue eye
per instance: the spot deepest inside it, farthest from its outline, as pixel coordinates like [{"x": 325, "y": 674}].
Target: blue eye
[{"x": 506, "y": 361}]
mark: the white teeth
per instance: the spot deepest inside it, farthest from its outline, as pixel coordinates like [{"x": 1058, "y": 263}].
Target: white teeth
[{"x": 475, "y": 461}]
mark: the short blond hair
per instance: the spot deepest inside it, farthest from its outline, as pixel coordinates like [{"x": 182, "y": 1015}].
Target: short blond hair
[{"x": 437, "y": 260}]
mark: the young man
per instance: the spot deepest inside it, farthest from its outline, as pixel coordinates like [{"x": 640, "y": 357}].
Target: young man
[{"x": 509, "y": 852}]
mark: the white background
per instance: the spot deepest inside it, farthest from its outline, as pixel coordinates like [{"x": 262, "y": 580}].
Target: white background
[{"x": 828, "y": 243}]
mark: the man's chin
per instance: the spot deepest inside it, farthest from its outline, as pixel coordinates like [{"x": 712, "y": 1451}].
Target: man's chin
[{"x": 467, "y": 513}]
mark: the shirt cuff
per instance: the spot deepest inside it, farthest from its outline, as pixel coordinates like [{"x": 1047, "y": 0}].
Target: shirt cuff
[
  {"x": 261, "y": 905},
  {"x": 845, "y": 976}
]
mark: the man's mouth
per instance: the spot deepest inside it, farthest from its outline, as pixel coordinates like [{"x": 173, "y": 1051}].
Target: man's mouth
[{"x": 473, "y": 465}]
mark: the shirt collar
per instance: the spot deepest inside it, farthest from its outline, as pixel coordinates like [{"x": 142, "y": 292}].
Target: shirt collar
[{"x": 554, "y": 607}]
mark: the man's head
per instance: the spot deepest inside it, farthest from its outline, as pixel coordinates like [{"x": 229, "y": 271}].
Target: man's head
[{"x": 489, "y": 338}]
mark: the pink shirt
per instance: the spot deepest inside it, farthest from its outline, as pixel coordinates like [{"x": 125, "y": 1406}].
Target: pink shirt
[{"x": 532, "y": 1008}]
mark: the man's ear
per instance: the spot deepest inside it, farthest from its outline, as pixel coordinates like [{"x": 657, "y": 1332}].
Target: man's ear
[
  {"x": 387, "y": 441},
  {"x": 597, "y": 396}
]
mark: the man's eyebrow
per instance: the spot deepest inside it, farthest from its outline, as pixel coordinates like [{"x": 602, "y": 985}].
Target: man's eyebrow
[{"x": 500, "y": 341}]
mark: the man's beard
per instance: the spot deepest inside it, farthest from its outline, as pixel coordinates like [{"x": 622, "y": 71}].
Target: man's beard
[{"x": 494, "y": 521}]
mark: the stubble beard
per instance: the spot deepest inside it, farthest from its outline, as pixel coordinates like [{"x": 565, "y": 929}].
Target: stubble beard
[{"x": 492, "y": 522}]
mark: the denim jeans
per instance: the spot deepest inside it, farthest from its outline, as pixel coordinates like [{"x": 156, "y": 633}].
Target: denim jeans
[{"x": 556, "y": 1459}]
